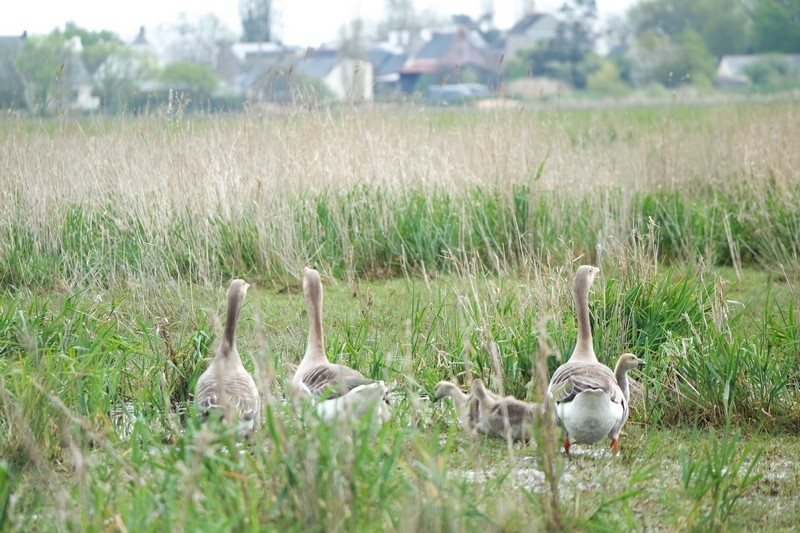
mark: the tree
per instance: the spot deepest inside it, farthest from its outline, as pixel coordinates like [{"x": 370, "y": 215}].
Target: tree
[
  {"x": 773, "y": 70},
  {"x": 483, "y": 25},
  {"x": 721, "y": 24},
  {"x": 607, "y": 80},
  {"x": 258, "y": 20},
  {"x": 118, "y": 80},
  {"x": 569, "y": 56},
  {"x": 195, "y": 40},
  {"x": 96, "y": 45},
  {"x": 403, "y": 19},
  {"x": 776, "y": 26},
  {"x": 197, "y": 80},
  {"x": 42, "y": 62},
  {"x": 400, "y": 15},
  {"x": 656, "y": 57}
]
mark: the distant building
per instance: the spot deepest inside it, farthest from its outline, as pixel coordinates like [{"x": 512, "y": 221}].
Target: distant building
[
  {"x": 531, "y": 30},
  {"x": 732, "y": 69},
  {"x": 387, "y": 61},
  {"x": 451, "y": 56},
  {"x": 12, "y": 85},
  {"x": 76, "y": 79},
  {"x": 285, "y": 77},
  {"x": 235, "y": 61}
]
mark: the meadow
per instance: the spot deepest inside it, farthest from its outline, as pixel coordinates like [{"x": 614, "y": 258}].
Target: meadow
[{"x": 447, "y": 240}]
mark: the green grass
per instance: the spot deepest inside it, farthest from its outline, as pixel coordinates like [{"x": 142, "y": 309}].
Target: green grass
[
  {"x": 447, "y": 243},
  {"x": 419, "y": 471}
]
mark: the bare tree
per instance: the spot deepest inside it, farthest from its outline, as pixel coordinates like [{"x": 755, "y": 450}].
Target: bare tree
[
  {"x": 258, "y": 20},
  {"x": 400, "y": 15}
]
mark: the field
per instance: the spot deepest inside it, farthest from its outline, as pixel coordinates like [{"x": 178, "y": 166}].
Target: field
[{"x": 447, "y": 240}]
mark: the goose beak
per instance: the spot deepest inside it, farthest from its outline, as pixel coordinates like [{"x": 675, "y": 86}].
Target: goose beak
[{"x": 640, "y": 362}]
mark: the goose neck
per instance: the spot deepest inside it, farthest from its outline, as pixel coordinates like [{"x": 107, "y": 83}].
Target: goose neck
[
  {"x": 584, "y": 345},
  {"x": 622, "y": 380},
  {"x": 315, "y": 335},
  {"x": 234, "y": 306}
]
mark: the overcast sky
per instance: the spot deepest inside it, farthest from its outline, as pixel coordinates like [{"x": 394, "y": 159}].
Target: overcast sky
[{"x": 302, "y": 22}]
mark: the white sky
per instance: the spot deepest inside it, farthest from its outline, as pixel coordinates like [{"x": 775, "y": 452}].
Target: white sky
[{"x": 302, "y": 22}]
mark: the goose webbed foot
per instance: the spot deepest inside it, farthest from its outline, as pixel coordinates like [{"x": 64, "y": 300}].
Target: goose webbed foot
[{"x": 615, "y": 446}]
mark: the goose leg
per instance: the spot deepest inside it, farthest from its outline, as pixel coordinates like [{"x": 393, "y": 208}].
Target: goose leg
[
  {"x": 615, "y": 446},
  {"x": 566, "y": 446}
]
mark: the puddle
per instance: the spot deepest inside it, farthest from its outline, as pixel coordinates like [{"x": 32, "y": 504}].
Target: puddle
[{"x": 124, "y": 416}]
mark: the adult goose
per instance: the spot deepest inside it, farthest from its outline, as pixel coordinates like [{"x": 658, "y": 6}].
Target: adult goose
[
  {"x": 589, "y": 402},
  {"x": 226, "y": 385},
  {"x": 503, "y": 416},
  {"x": 343, "y": 391}
]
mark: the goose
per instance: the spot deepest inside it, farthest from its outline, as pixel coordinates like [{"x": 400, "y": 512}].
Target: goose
[
  {"x": 335, "y": 389},
  {"x": 466, "y": 405},
  {"x": 501, "y": 416},
  {"x": 363, "y": 400},
  {"x": 589, "y": 403},
  {"x": 625, "y": 364},
  {"x": 226, "y": 385}
]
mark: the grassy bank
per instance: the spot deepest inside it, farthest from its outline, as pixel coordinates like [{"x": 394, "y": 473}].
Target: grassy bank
[{"x": 447, "y": 242}]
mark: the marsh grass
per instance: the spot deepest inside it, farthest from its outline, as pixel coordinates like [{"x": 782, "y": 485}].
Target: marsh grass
[
  {"x": 448, "y": 244},
  {"x": 719, "y": 471}
]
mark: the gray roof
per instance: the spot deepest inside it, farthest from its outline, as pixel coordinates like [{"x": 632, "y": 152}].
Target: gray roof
[
  {"x": 317, "y": 64},
  {"x": 257, "y": 73},
  {"x": 12, "y": 85},
  {"x": 75, "y": 72},
  {"x": 526, "y": 22},
  {"x": 438, "y": 46},
  {"x": 393, "y": 64},
  {"x": 385, "y": 61},
  {"x": 11, "y": 43},
  {"x": 443, "y": 42}
]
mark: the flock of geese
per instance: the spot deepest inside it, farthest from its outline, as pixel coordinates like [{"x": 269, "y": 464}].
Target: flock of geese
[{"x": 587, "y": 399}]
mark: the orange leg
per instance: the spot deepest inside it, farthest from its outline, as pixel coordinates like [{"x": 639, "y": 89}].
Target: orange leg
[
  {"x": 566, "y": 446},
  {"x": 615, "y": 446}
]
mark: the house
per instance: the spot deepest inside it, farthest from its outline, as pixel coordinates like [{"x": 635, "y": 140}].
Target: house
[
  {"x": 732, "y": 69},
  {"x": 237, "y": 64},
  {"x": 73, "y": 81},
  {"x": 387, "y": 62},
  {"x": 346, "y": 78},
  {"x": 76, "y": 79},
  {"x": 531, "y": 30},
  {"x": 450, "y": 56},
  {"x": 283, "y": 78},
  {"x": 12, "y": 85}
]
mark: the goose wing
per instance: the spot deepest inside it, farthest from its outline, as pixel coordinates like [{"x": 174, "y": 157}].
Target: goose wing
[
  {"x": 573, "y": 379},
  {"x": 518, "y": 413},
  {"x": 240, "y": 394},
  {"x": 332, "y": 381}
]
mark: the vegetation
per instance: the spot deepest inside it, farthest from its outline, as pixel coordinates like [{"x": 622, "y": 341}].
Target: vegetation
[
  {"x": 199, "y": 80},
  {"x": 448, "y": 242}
]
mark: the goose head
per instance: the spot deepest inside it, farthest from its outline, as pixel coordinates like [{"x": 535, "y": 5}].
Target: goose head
[
  {"x": 312, "y": 284},
  {"x": 237, "y": 290},
  {"x": 443, "y": 389},
  {"x": 584, "y": 277},
  {"x": 628, "y": 361},
  {"x": 312, "y": 288}
]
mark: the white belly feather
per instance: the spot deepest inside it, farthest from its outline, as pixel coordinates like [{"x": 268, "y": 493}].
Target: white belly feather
[{"x": 590, "y": 416}]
